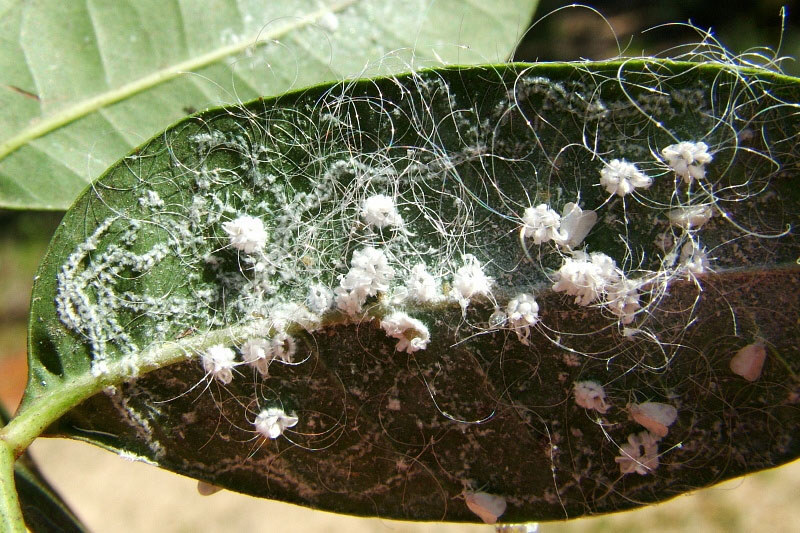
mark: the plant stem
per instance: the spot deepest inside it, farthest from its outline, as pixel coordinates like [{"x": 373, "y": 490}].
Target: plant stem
[{"x": 11, "y": 520}]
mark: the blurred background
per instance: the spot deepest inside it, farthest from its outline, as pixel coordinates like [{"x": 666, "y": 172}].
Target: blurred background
[{"x": 116, "y": 495}]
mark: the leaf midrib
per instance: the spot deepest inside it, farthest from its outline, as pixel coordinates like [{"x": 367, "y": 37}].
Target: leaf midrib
[{"x": 90, "y": 105}]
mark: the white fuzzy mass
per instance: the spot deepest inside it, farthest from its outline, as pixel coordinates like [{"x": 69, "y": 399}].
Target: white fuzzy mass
[
  {"x": 219, "y": 361},
  {"x": 542, "y": 224},
  {"x": 369, "y": 273},
  {"x": 586, "y": 277},
  {"x": 246, "y": 233},
  {"x": 522, "y": 312},
  {"x": 272, "y": 422},
  {"x": 380, "y": 211},
  {"x": 412, "y": 335},
  {"x": 621, "y": 177},
  {"x": 688, "y": 159},
  {"x": 470, "y": 281}
]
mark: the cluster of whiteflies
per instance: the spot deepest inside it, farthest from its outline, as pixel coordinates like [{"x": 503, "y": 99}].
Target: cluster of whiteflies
[
  {"x": 220, "y": 362},
  {"x": 640, "y": 453},
  {"x": 594, "y": 278}
]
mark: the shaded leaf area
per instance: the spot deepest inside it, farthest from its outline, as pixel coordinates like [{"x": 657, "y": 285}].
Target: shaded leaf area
[
  {"x": 82, "y": 83},
  {"x": 42, "y": 507},
  {"x": 143, "y": 260}
]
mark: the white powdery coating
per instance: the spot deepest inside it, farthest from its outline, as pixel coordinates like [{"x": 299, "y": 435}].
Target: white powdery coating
[
  {"x": 688, "y": 159},
  {"x": 622, "y": 299},
  {"x": 591, "y": 395},
  {"x": 621, "y": 177},
  {"x": 655, "y": 416},
  {"x": 749, "y": 361},
  {"x": 522, "y": 312},
  {"x": 412, "y": 335},
  {"x": 576, "y": 224},
  {"x": 422, "y": 286},
  {"x": 258, "y": 354},
  {"x": 470, "y": 281},
  {"x": 369, "y": 273},
  {"x": 489, "y": 507},
  {"x": 272, "y": 422},
  {"x": 691, "y": 217},
  {"x": 219, "y": 361},
  {"x": 639, "y": 455},
  {"x": 246, "y": 233},
  {"x": 380, "y": 211},
  {"x": 586, "y": 276},
  {"x": 541, "y": 223},
  {"x": 694, "y": 259}
]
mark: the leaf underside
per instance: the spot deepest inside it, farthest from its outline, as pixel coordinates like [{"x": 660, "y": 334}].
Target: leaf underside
[
  {"x": 82, "y": 83},
  {"x": 464, "y": 151}
]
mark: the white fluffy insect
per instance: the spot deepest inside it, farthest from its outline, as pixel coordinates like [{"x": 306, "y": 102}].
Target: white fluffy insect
[
  {"x": 620, "y": 177},
  {"x": 690, "y": 217},
  {"x": 522, "y": 312},
  {"x": 542, "y": 224},
  {"x": 488, "y": 507},
  {"x": 272, "y": 422},
  {"x": 412, "y": 335},
  {"x": 219, "y": 361},
  {"x": 655, "y": 416},
  {"x": 319, "y": 299},
  {"x": 380, "y": 211},
  {"x": 622, "y": 299},
  {"x": 246, "y": 233},
  {"x": 470, "y": 281},
  {"x": 688, "y": 159},
  {"x": 694, "y": 258},
  {"x": 639, "y": 455},
  {"x": 748, "y": 362},
  {"x": 257, "y": 352},
  {"x": 369, "y": 273},
  {"x": 422, "y": 286},
  {"x": 590, "y": 395},
  {"x": 586, "y": 276}
]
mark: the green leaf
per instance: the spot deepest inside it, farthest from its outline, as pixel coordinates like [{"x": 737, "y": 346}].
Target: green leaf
[
  {"x": 42, "y": 507},
  {"x": 147, "y": 269},
  {"x": 82, "y": 83}
]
